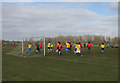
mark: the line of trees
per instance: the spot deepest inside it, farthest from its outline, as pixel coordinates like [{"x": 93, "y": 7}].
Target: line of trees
[{"x": 94, "y": 39}]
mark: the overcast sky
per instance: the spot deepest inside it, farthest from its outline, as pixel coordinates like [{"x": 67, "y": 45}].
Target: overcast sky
[{"x": 54, "y": 18}]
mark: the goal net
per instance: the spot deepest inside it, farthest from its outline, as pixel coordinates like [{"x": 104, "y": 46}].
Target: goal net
[{"x": 33, "y": 46}]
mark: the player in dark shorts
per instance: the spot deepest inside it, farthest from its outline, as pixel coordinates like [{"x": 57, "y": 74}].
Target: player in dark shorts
[
  {"x": 102, "y": 47},
  {"x": 89, "y": 45},
  {"x": 59, "y": 48},
  {"x": 49, "y": 46},
  {"x": 84, "y": 45},
  {"x": 37, "y": 48}
]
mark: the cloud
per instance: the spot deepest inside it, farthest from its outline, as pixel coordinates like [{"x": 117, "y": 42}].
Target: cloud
[
  {"x": 50, "y": 20},
  {"x": 113, "y": 7}
]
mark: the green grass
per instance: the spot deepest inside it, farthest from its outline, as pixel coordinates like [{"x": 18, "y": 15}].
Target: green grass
[{"x": 92, "y": 66}]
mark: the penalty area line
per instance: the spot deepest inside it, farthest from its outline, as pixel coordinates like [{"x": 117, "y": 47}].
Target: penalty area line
[
  {"x": 15, "y": 54},
  {"x": 23, "y": 56}
]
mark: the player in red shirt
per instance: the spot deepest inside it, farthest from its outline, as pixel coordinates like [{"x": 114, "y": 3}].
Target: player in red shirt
[
  {"x": 19, "y": 44},
  {"x": 32, "y": 44},
  {"x": 40, "y": 45},
  {"x": 59, "y": 48},
  {"x": 89, "y": 45},
  {"x": 14, "y": 43},
  {"x": 3, "y": 45}
]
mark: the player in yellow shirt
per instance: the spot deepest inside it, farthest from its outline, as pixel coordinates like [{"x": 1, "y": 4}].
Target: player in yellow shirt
[
  {"x": 102, "y": 47},
  {"x": 78, "y": 51},
  {"x": 49, "y": 46},
  {"x": 29, "y": 47},
  {"x": 67, "y": 47}
]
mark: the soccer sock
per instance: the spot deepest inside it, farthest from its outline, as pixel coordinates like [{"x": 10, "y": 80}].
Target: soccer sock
[
  {"x": 60, "y": 53},
  {"x": 102, "y": 51}
]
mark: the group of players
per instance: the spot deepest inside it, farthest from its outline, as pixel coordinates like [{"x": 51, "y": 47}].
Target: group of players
[
  {"x": 77, "y": 50},
  {"x": 77, "y": 46}
]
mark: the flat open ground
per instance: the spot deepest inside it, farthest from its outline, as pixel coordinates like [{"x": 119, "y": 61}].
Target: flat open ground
[{"x": 92, "y": 66}]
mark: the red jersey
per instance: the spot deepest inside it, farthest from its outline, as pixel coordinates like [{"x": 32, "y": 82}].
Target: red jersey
[
  {"x": 89, "y": 45},
  {"x": 40, "y": 44},
  {"x": 14, "y": 44},
  {"x": 32, "y": 44},
  {"x": 3, "y": 44},
  {"x": 19, "y": 43},
  {"x": 59, "y": 46}
]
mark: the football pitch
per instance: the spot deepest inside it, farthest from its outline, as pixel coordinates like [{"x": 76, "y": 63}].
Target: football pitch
[{"x": 92, "y": 66}]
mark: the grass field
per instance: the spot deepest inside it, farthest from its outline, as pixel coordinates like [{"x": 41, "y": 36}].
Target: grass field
[{"x": 92, "y": 66}]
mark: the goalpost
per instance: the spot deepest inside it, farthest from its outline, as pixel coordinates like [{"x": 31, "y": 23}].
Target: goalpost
[
  {"x": 44, "y": 46},
  {"x": 29, "y": 40}
]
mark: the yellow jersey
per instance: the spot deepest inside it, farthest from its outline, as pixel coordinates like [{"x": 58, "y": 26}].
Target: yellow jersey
[
  {"x": 57, "y": 43},
  {"x": 52, "y": 45},
  {"x": 29, "y": 45},
  {"x": 102, "y": 46},
  {"x": 68, "y": 45},
  {"x": 49, "y": 44},
  {"x": 75, "y": 45},
  {"x": 78, "y": 47}
]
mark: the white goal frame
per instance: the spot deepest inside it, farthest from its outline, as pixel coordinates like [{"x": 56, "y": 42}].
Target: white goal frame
[{"x": 29, "y": 38}]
